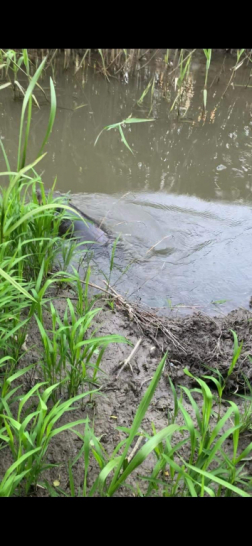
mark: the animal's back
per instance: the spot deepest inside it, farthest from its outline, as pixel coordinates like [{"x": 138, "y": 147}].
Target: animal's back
[{"x": 86, "y": 231}]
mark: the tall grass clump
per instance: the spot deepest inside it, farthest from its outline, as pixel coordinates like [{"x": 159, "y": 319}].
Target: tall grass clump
[
  {"x": 72, "y": 352},
  {"x": 13, "y": 63},
  {"x": 71, "y": 349},
  {"x": 29, "y": 433}
]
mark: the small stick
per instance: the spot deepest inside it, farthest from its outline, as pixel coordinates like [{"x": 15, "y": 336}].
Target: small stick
[
  {"x": 115, "y": 203},
  {"x": 135, "y": 314},
  {"x": 135, "y": 448},
  {"x": 127, "y": 361},
  {"x": 166, "y": 237},
  {"x": 148, "y": 61},
  {"x": 97, "y": 287},
  {"x": 145, "y": 381}
]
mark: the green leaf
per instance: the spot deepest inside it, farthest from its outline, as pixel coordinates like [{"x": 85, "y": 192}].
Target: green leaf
[
  {"x": 52, "y": 115},
  {"x": 25, "y": 102},
  {"x": 15, "y": 284},
  {"x": 220, "y": 481},
  {"x": 39, "y": 210},
  {"x": 137, "y": 421},
  {"x": 17, "y": 463},
  {"x": 236, "y": 354},
  {"x": 143, "y": 453},
  {"x": 124, "y": 139}
]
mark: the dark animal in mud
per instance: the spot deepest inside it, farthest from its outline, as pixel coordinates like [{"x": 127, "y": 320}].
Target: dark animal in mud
[{"x": 74, "y": 227}]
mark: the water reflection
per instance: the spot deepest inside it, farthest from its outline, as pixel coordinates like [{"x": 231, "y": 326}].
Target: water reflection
[{"x": 190, "y": 179}]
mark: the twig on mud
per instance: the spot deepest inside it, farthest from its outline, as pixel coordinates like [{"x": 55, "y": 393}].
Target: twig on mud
[
  {"x": 135, "y": 448},
  {"x": 127, "y": 361},
  {"x": 151, "y": 248},
  {"x": 96, "y": 286},
  {"x": 146, "y": 320},
  {"x": 145, "y": 381}
]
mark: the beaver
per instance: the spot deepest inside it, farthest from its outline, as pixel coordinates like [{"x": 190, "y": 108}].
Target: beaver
[{"x": 77, "y": 229}]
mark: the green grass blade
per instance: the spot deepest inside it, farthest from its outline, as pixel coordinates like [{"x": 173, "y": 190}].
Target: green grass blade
[
  {"x": 237, "y": 352},
  {"x": 5, "y": 158},
  {"x": 17, "y": 177},
  {"x": 190, "y": 426},
  {"x": 137, "y": 120},
  {"x": 106, "y": 471},
  {"x": 16, "y": 285},
  {"x": 138, "y": 418},
  {"x": 25, "y": 102},
  {"x": 244, "y": 454},
  {"x": 17, "y": 463},
  {"x": 39, "y": 210},
  {"x": 143, "y": 453},
  {"x": 52, "y": 115},
  {"x": 67, "y": 426},
  {"x": 27, "y": 131},
  {"x": 194, "y": 405},
  {"x": 124, "y": 139},
  {"x": 220, "y": 481}
]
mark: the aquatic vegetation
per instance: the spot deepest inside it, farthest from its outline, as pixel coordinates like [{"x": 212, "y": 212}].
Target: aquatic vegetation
[
  {"x": 172, "y": 74},
  {"x": 119, "y": 126},
  {"x": 208, "y": 54}
]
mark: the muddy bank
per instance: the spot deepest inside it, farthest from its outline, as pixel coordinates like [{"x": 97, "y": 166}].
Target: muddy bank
[
  {"x": 194, "y": 341},
  {"x": 208, "y": 341},
  {"x": 197, "y": 341}
]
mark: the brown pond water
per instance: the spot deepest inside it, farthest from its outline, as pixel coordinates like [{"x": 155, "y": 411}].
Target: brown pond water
[{"x": 187, "y": 185}]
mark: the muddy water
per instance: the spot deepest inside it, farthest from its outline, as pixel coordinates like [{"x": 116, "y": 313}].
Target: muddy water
[{"x": 182, "y": 202}]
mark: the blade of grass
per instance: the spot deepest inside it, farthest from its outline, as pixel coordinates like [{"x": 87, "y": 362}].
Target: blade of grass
[
  {"x": 138, "y": 419},
  {"x": 52, "y": 115},
  {"x": 25, "y": 102}
]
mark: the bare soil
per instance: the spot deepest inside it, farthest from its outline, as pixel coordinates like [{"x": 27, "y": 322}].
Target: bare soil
[{"x": 198, "y": 341}]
